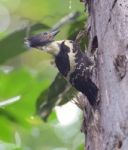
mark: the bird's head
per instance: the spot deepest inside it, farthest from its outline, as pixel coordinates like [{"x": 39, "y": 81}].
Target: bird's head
[{"x": 44, "y": 41}]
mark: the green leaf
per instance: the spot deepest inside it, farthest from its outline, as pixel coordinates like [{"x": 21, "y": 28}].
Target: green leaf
[
  {"x": 48, "y": 12},
  {"x": 19, "y": 82}
]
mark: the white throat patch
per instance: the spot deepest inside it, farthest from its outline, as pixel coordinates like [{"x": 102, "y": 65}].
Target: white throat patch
[{"x": 53, "y": 48}]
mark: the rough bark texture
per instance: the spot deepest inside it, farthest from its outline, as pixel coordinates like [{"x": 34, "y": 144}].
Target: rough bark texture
[{"x": 107, "y": 129}]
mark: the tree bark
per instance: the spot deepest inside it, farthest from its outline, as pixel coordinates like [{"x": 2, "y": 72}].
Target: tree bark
[{"x": 107, "y": 128}]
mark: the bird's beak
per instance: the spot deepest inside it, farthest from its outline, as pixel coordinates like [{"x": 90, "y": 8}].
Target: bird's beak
[{"x": 54, "y": 32}]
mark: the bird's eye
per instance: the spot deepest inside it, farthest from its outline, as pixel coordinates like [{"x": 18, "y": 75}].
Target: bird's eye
[{"x": 45, "y": 33}]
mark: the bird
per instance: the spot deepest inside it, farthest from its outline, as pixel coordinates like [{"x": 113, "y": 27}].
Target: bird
[{"x": 73, "y": 64}]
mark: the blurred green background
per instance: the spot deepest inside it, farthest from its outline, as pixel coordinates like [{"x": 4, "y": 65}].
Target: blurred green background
[{"x": 28, "y": 79}]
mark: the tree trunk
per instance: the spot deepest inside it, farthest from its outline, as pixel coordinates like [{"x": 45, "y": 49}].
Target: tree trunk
[{"x": 107, "y": 129}]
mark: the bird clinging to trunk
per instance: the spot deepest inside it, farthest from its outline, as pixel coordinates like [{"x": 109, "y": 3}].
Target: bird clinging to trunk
[{"x": 74, "y": 65}]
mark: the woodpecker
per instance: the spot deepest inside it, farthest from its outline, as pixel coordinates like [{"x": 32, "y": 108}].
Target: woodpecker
[{"x": 74, "y": 65}]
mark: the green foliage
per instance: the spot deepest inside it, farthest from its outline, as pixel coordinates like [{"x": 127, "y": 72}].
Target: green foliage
[
  {"x": 19, "y": 83},
  {"x": 28, "y": 81}
]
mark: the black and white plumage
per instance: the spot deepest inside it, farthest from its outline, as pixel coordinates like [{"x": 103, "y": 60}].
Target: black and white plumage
[{"x": 72, "y": 63}]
